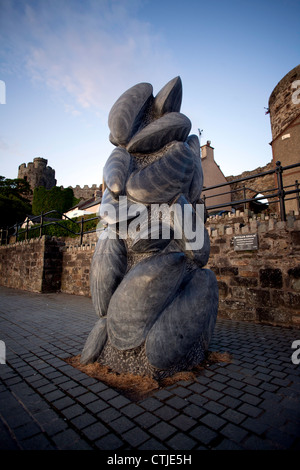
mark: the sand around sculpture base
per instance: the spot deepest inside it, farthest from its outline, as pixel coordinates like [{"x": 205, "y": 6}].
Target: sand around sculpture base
[{"x": 138, "y": 387}]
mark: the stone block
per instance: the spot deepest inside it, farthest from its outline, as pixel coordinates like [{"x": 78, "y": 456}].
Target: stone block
[
  {"x": 247, "y": 273},
  {"x": 262, "y": 227},
  {"x": 229, "y": 271},
  {"x": 238, "y": 292},
  {"x": 273, "y": 315},
  {"x": 237, "y": 228},
  {"x": 295, "y": 236},
  {"x": 223, "y": 289},
  {"x": 214, "y": 249},
  {"x": 243, "y": 281},
  {"x": 293, "y": 300},
  {"x": 258, "y": 297},
  {"x": 270, "y": 278}
]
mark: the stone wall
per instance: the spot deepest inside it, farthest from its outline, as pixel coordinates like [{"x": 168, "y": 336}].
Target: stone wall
[
  {"x": 75, "y": 277},
  {"x": 261, "y": 285},
  {"x": 34, "y": 265},
  {"x": 265, "y": 185}
]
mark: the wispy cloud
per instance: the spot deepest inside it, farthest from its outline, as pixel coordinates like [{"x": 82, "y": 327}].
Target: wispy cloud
[
  {"x": 93, "y": 50},
  {"x": 3, "y": 144}
]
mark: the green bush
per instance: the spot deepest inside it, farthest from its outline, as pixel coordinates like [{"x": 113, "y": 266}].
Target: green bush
[
  {"x": 14, "y": 205},
  {"x": 57, "y": 198}
]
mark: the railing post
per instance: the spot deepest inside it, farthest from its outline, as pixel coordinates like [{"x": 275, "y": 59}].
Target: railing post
[
  {"x": 41, "y": 224},
  {"x": 6, "y": 235},
  {"x": 27, "y": 228},
  {"x": 244, "y": 195},
  {"x": 81, "y": 230},
  {"x": 297, "y": 195},
  {"x": 280, "y": 192}
]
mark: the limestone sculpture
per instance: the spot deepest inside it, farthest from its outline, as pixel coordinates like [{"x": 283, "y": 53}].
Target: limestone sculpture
[{"x": 156, "y": 302}]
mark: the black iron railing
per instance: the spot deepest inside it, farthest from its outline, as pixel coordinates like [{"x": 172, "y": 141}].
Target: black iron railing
[
  {"x": 40, "y": 222},
  {"x": 279, "y": 194}
]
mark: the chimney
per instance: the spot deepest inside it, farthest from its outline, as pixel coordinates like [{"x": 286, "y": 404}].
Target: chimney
[{"x": 207, "y": 151}]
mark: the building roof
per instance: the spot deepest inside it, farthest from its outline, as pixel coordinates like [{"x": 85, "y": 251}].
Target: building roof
[{"x": 82, "y": 205}]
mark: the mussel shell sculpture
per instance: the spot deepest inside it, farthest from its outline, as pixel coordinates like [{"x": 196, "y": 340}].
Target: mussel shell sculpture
[{"x": 157, "y": 303}]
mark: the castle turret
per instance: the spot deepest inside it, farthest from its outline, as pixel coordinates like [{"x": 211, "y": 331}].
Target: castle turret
[
  {"x": 284, "y": 108},
  {"x": 37, "y": 173}
]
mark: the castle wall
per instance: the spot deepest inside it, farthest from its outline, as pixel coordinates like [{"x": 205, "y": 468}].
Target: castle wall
[{"x": 85, "y": 192}]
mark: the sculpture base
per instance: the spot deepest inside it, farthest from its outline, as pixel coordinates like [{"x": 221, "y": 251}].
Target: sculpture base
[{"x": 135, "y": 361}]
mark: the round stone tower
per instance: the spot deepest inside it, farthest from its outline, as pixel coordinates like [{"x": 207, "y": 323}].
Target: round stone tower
[
  {"x": 284, "y": 108},
  {"x": 37, "y": 173}
]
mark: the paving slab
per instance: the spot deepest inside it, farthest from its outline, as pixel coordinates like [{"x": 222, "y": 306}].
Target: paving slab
[{"x": 251, "y": 403}]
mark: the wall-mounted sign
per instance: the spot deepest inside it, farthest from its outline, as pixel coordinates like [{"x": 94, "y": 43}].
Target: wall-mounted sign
[{"x": 246, "y": 242}]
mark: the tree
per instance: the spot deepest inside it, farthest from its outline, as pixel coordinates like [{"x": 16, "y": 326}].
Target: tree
[
  {"x": 14, "y": 203},
  {"x": 58, "y": 199}
]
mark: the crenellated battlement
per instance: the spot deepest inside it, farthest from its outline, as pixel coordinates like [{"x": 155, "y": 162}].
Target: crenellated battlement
[
  {"x": 94, "y": 186},
  {"x": 85, "y": 192},
  {"x": 247, "y": 222}
]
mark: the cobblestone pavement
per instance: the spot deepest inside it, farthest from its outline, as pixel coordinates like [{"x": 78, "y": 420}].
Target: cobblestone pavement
[{"x": 251, "y": 403}]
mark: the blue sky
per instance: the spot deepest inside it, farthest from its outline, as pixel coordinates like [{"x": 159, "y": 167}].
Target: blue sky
[{"x": 65, "y": 62}]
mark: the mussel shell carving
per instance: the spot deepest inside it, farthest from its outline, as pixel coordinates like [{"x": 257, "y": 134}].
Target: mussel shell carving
[
  {"x": 116, "y": 169},
  {"x": 152, "y": 239},
  {"x": 127, "y": 113},
  {"x": 144, "y": 292},
  {"x": 95, "y": 342},
  {"x": 189, "y": 229},
  {"x": 171, "y": 126},
  {"x": 189, "y": 318},
  {"x": 108, "y": 267},
  {"x": 163, "y": 179},
  {"x": 169, "y": 98},
  {"x": 201, "y": 256}
]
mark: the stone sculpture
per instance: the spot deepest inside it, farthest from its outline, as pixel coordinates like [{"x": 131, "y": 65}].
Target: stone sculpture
[{"x": 156, "y": 302}]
